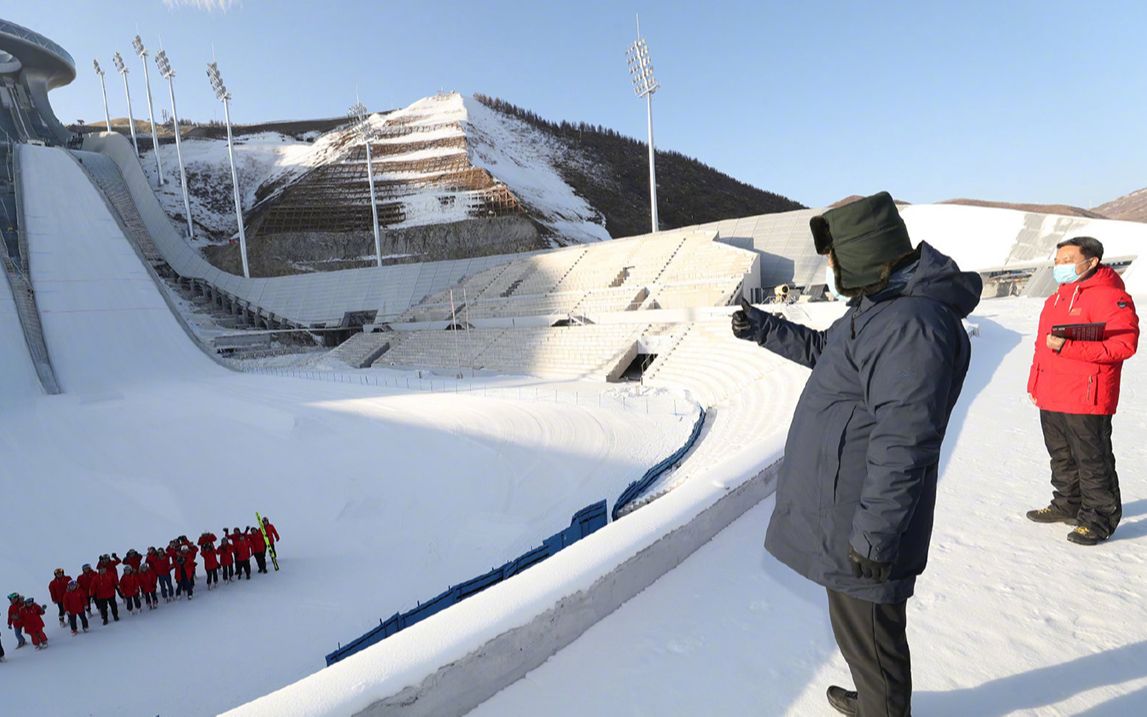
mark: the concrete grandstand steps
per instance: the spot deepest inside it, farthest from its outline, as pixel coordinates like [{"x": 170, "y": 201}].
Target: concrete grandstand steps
[
  {"x": 594, "y": 351},
  {"x": 709, "y": 361},
  {"x": 363, "y": 349}
]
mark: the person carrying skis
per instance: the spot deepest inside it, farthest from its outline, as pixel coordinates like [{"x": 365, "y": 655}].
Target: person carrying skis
[
  {"x": 242, "y": 547},
  {"x": 129, "y": 589},
  {"x": 86, "y": 578},
  {"x": 160, "y": 564},
  {"x": 56, "y": 589},
  {"x": 211, "y": 564},
  {"x": 258, "y": 547},
  {"x": 76, "y": 605},
  {"x": 32, "y": 617},
  {"x": 227, "y": 559},
  {"x": 147, "y": 583},
  {"x": 104, "y": 591},
  {"x": 272, "y": 534},
  {"x": 15, "y": 612},
  {"x": 857, "y": 488}
]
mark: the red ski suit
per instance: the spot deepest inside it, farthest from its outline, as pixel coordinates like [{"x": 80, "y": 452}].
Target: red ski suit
[
  {"x": 272, "y": 534},
  {"x": 210, "y": 558},
  {"x": 32, "y": 618},
  {"x": 226, "y": 555},
  {"x": 75, "y": 601},
  {"x": 86, "y": 581},
  {"x": 129, "y": 585},
  {"x": 15, "y": 612},
  {"x": 58, "y": 587},
  {"x": 104, "y": 586},
  {"x": 147, "y": 580},
  {"x": 1083, "y": 376}
]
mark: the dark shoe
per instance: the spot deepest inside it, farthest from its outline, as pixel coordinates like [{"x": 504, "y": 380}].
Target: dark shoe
[
  {"x": 842, "y": 700},
  {"x": 1050, "y": 514},
  {"x": 1083, "y": 535}
]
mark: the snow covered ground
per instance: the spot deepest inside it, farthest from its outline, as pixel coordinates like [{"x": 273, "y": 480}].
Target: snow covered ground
[
  {"x": 383, "y": 497},
  {"x": 1009, "y": 619}
]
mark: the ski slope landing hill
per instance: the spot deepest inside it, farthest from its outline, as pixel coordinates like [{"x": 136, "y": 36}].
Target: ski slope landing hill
[
  {"x": 1008, "y": 619},
  {"x": 383, "y": 497}
]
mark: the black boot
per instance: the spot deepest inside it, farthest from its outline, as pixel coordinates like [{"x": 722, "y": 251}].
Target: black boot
[
  {"x": 1050, "y": 514},
  {"x": 842, "y": 700}
]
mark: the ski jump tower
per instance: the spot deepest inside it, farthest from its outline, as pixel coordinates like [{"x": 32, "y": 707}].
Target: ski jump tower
[{"x": 30, "y": 66}]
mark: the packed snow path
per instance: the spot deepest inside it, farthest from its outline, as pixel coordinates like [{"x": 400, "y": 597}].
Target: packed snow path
[
  {"x": 382, "y": 497},
  {"x": 1009, "y": 618}
]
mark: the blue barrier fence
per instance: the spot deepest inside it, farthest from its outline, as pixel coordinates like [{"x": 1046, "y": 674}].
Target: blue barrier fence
[
  {"x": 634, "y": 490},
  {"x": 585, "y": 521}
]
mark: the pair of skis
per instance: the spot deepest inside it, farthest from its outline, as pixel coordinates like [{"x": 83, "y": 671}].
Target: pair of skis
[{"x": 267, "y": 541}]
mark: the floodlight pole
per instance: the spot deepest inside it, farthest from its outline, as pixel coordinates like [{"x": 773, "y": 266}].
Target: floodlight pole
[
  {"x": 142, "y": 52},
  {"x": 644, "y": 85},
  {"x": 122, "y": 69},
  {"x": 104, "y": 92},
  {"x": 224, "y": 96},
  {"x": 168, "y": 74},
  {"x": 359, "y": 113}
]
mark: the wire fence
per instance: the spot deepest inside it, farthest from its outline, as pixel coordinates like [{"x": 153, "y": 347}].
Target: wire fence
[{"x": 614, "y": 399}]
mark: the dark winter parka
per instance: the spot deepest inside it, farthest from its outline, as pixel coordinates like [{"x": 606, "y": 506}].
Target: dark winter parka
[{"x": 863, "y": 450}]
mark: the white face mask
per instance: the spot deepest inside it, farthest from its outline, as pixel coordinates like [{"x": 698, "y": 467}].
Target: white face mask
[{"x": 830, "y": 280}]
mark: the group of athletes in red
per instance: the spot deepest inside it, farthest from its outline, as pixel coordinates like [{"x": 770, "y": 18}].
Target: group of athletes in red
[{"x": 147, "y": 576}]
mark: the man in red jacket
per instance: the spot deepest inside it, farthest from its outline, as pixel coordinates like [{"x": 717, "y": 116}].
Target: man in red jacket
[
  {"x": 104, "y": 591},
  {"x": 56, "y": 590},
  {"x": 86, "y": 579},
  {"x": 1075, "y": 383},
  {"x": 242, "y": 547}
]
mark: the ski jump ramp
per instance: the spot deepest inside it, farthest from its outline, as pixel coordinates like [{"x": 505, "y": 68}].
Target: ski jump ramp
[
  {"x": 18, "y": 380},
  {"x": 105, "y": 322}
]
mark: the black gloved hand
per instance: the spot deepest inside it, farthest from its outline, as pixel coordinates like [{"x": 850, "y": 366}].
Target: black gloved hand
[
  {"x": 746, "y": 320},
  {"x": 862, "y": 567}
]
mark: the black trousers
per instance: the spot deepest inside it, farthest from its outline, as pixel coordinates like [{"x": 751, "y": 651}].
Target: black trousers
[
  {"x": 241, "y": 567},
  {"x": 872, "y": 638},
  {"x": 104, "y": 604},
  {"x": 261, "y": 561},
  {"x": 1083, "y": 478},
  {"x": 72, "y": 620}
]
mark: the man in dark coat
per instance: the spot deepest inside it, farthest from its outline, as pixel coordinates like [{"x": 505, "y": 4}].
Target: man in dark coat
[{"x": 857, "y": 488}]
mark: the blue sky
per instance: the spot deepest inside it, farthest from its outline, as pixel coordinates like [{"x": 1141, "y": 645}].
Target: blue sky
[{"x": 1012, "y": 100}]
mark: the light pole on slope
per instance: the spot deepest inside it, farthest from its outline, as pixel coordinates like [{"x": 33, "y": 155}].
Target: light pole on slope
[
  {"x": 224, "y": 96},
  {"x": 361, "y": 118},
  {"x": 644, "y": 85},
  {"x": 168, "y": 74},
  {"x": 142, "y": 52},
  {"x": 122, "y": 69}
]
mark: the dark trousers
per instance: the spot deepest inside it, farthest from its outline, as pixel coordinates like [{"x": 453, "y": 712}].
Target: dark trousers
[
  {"x": 212, "y": 576},
  {"x": 187, "y": 585},
  {"x": 872, "y": 638},
  {"x": 151, "y": 598},
  {"x": 1083, "y": 478},
  {"x": 131, "y": 600},
  {"x": 165, "y": 587},
  {"x": 261, "y": 560},
  {"x": 72, "y": 620},
  {"x": 104, "y": 604},
  {"x": 243, "y": 566},
  {"x": 61, "y": 606},
  {"x": 228, "y": 571}
]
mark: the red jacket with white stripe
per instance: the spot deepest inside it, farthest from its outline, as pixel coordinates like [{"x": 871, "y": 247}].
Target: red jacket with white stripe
[{"x": 1083, "y": 376}]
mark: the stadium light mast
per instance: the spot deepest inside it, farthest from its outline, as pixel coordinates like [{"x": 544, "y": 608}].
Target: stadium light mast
[
  {"x": 104, "y": 92},
  {"x": 122, "y": 69},
  {"x": 361, "y": 118},
  {"x": 168, "y": 74},
  {"x": 644, "y": 85},
  {"x": 142, "y": 52},
  {"x": 224, "y": 96}
]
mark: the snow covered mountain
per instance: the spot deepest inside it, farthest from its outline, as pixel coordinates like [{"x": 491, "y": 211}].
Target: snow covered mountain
[{"x": 455, "y": 176}]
